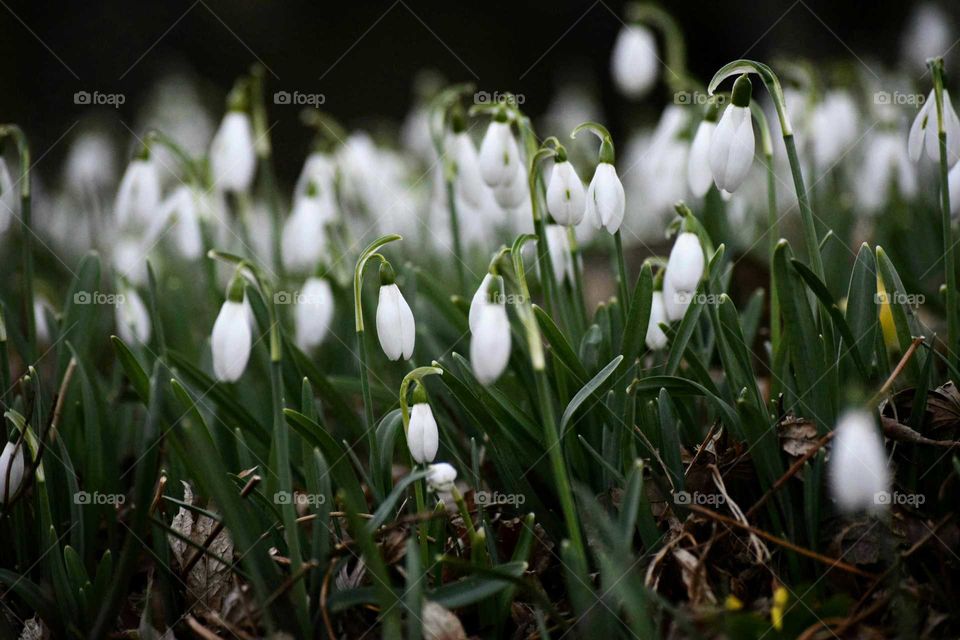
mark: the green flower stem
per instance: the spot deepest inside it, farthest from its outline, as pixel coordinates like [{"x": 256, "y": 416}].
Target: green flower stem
[
  {"x": 578, "y": 289},
  {"x": 23, "y": 151},
  {"x": 950, "y": 267},
  {"x": 622, "y": 276},
  {"x": 458, "y": 256},
  {"x": 676, "y": 50},
  {"x": 422, "y": 533},
  {"x": 773, "y": 220},
  {"x": 268, "y": 177},
  {"x": 545, "y": 262}
]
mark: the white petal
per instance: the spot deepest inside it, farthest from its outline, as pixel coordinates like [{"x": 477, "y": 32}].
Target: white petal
[
  {"x": 470, "y": 184},
  {"x": 512, "y": 194},
  {"x": 499, "y": 155},
  {"x": 133, "y": 321},
  {"x": 233, "y": 158},
  {"x": 566, "y": 198},
  {"x": 423, "y": 437},
  {"x": 230, "y": 342},
  {"x": 313, "y": 313},
  {"x": 634, "y": 61},
  {"x": 685, "y": 266},
  {"x": 732, "y": 148},
  {"x": 951, "y": 125},
  {"x": 11, "y": 466},
  {"x": 442, "y": 476},
  {"x": 139, "y": 193},
  {"x": 656, "y": 338},
  {"x": 953, "y": 181},
  {"x": 395, "y": 325},
  {"x": 490, "y": 343},
  {"x": 858, "y": 464},
  {"x": 607, "y": 197},
  {"x": 675, "y": 303},
  {"x": 559, "y": 247},
  {"x": 479, "y": 297},
  {"x": 698, "y": 167}
]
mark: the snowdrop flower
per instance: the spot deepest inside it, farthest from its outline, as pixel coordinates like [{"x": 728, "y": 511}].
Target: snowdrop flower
[
  {"x": 233, "y": 158},
  {"x": 656, "y": 338},
  {"x": 605, "y": 198},
  {"x": 858, "y": 464},
  {"x": 319, "y": 172},
  {"x": 699, "y": 175},
  {"x": 8, "y": 196},
  {"x": 499, "y": 154},
  {"x": 928, "y": 35},
  {"x": 422, "y": 435},
  {"x": 133, "y": 321},
  {"x": 11, "y": 466},
  {"x": 923, "y": 132},
  {"x": 953, "y": 182},
  {"x": 129, "y": 259},
  {"x": 40, "y": 307},
  {"x": 732, "y": 144},
  {"x": 559, "y": 247},
  {"x": 442, "y": 476},
  {"x": 512, "y": 194},
  {"x": 490, "y": 343},
  {"x": 303, "y": 240},
  {"x": 395, "y": 325},
  {"x": 478, "y": 300},
  {"x": 566, "y": 198},
  {"x": 675, "y": 303},
  {"x": 139, "y": 193},
  {"x": 313, "y": 312},
  {"x": 470, "y": 185},
  {"x": 180, "y": 207},
  {"x": 231, "y": 337},
  {"x": 885, "y": 161},
  {"x": 634, "y": 63},
  {"x": 90, "y": 163},
  {"x": 685, "y": 265},
  {"x": 834, "y": 128}
]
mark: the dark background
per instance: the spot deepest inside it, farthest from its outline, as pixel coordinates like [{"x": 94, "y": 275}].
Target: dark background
[{"x": 368, "y": 53}]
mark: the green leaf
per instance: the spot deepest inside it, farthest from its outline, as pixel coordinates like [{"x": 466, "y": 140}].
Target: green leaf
[
  {"x": 862, "y": 306},
  {"x": 475, "y": 588},
  {"x": 670, "y": 440},
  {"x": 591, "y": 389},
  {"x": 561, "y": 348},
  {"x": 638, "y": 316},
  {"x": 131, "y": 366},
  {"x": 904, "y": 316},
  {"x": 386, "y": 507},
  {"x": 315, "y": 435}
]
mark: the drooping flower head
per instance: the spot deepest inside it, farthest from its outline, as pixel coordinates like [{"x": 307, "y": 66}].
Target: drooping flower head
[
  {"x": 634, "y": 63},
  {"x": 423, "y": 437},
  {"x": 732, "y": 145},
  {"x": 566, "y": 198},
  {"x": 859, "y": 474},
  {"x": 233, "y": 155},
  {"x": 231, "y": 338},
  {"x": 395, "y": 324},
  {"x": 490, "y": 342}
]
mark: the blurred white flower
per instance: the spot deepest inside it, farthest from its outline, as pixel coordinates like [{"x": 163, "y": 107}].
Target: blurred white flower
[
  {"x": 675, "y": 303},
  {"x": 129, "y": 259},
  {"x": 91, "y": 163},
  {"x": 442, "y": 477},
  {"x": 423, "y": 437},
  {"x": 313, "y": 312},
  {"x": 139, "y": 193},
  {"x": 634, "y": 62},
  {"x": 923, "y": 131},
  {"x": 559, "y": 247},
  {"x": 858, "y": 464},
  {"x": 566, "y": 198},
  {"x": 133, "y": 321},
  {"x": 479, "y": 298},
  {"x": 499, "y": 155},
  {"x": 318, "y": 174},
  {"x": 833, "y": 127},
  {"x": 231, "y": 341},
  {"x": 490, "y": 341},
  {"x": 470, "y": 185},
  {"x": 233, "y": 158},
  {"x": 395, "y": 324},
  {"x": 40, "y": 306},
  {"x": 885, "y": 163},
  {"x": 180, "y": 210},
  {"x": 303, "y": 240},
  {"x": 656, "y": 338},
  {"x": 929, "y": 34},
  {"x": 11, "y": 467},
  {"x": 512, "y": 194},
  {"x": 685, "y": 265},
  {"x": 8, "y": 196},
  {"x": 699, "y": 174},
  {"x": 605, "y": 199}
]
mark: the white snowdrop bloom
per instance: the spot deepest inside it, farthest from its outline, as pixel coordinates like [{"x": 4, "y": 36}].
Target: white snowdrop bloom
[
  {"x": 139, "y": 193},
  {"x": 180, "y": 210},
  {"x": 656, "y": 338},
  {"x": 512, "y": 194},
  {"x": 11, "y": 466},
  {"x": 923, "y": 132},
  {"x": 319, "y": 173},
  {"x": 605, "y": 198},
  {"x": 675, "y": 303},
  {"x": 559, "y": 247},
  {"x": 929, "y": 34},
  {"x": 566, "y": 197},
  {"x": 885, "y": 163},
  {"x": 470, "y": 184},
  {"x": 685, "y": 265},
  {"x": 442, "y": 477},
  {"x": 130, "y": 259},
  {"x": 231, "y": 341},
  {"x": 91, "y": 163},
  {"x": 699, "y": 175},
  {"x": 313, "y": 312},
  {"x": 833, "y": 128},
  {"x": 233, "y": 158},
  {"x": 634, "y": 63},
  {"x": 490, "y": 341},
  {"x": 953, "y": 182},
  {"x": 395, "y": 324},
  {"x": 303, "y": 239},
  {"x": 8, "y": 196},
  {"x": 859, "y": 475},
  {"x": 423, "y": 438},
  {"x": 133, "y": 321},
  {"x": 479, "y": 298},
  {"x": 732, "y": 144},
  {"x": 40, "y": 306},
  {"x": 499, "y": 156}
]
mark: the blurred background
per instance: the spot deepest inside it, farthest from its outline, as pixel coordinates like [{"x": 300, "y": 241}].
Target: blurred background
[{"x": 364, "y": 57}]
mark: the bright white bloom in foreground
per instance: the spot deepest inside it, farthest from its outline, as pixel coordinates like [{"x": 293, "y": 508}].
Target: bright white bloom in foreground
[
  {"x": 478, "y": 300},
  {"x": 656, "y": 338},
  {"x": 11, "y": 466},
  {"x": 605, "y": 198},
  {"x": 923, "y": 132},
  {"x": 859, "y": 474},
  {"x": 675, "y": 303},
  {"x": 732, "y": 147},
  {"x": 231, "y": 341},
  {"x": 233, "y": 158},
  {"x": 395, "y": 326},
  {"x": 634, "y": 62},
  {"x": 566, "y": 198},
  {"x": 490, "y": 342},
  {"x": 313, "y": 312},
  {"x": 558, "y": 244},
  {"x": 139, "y": 193},
  {"x": 422, "y": 435},
  {"x": 685, "y": 265},
  {"x": 133, "y": 321},
  {"x": 470, "y": 184},
  {"x": 512, "y": 194},
  {"x": 499, "y": 155},
  {"x": 699, "y": 175},
  {"x": 442, "y": 476}
]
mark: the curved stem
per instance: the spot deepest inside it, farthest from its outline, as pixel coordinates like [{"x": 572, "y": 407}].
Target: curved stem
[
  {"x": 773, "y": 220},
  {"x": 365, "y": 255},
  {"x": 676, "y": 48},
  {"x": 416, "y": 375}
]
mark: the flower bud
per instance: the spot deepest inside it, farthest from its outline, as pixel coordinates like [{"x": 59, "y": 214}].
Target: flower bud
[
  {"x": 395, "y": 325},
  {"x": 699, "y": 175},
  {"x": 490, "y": 343},
  {"x": 233, "y": 158},
  {"x": 499, "y": 155},
  {"x": 559, "y": 247},
  {"x": 605, "y": 198},
  {"x": 675, "y": 303},
  {"x": 656, "y": 338},
  {"x": 923, "y": 131},
  {"x": 470, "y": 184},
  {"x": 11, "y": 467},
  {"x": 231, "y": 339},
  {"x": 442, "y": 477},
  {"x": 634, "y": 63},
  {"x": 479, "y": 298},
  {"x": 566, "y": 198},
  {"x": 313, "y": 313},
  {"x": 685, "y": 265},
  {"x": 859, "y": 474},
  {"x": 732, "y": 144},
  {"x": 422, "y": 435},
  {"x": 138, "y": 195},
  {"x": 133, "y": 321}
]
